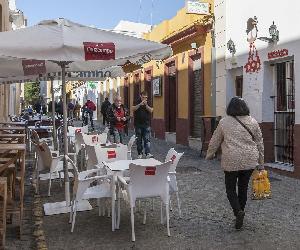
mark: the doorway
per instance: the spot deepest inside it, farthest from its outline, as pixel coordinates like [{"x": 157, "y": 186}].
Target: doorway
[
  {"x": 284, "y": 115},
  {"x": 171, "y": 97}
]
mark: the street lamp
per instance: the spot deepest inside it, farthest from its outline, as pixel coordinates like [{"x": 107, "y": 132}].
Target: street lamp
[
  {"x": 231, "y": 47},
  {"x": 274, "y": 34}
]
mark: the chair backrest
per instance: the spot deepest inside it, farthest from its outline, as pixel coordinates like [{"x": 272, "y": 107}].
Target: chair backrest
[
  {"x": 75, "y": 173},
  {"x": 72, "y": 130},
  {"x": 111, "y": 153},
  {"x": 78, "y": 141},
  {"x": 94, "y": 139},
  {"x": 44, "y": 156},
  {"x": 149, "y": 181},
  {"x": 131, "y": 141},
  {"x": 35, "y": 137},
  {"x": 174, "y": 157},
  {"x": 92, "y": 158}
]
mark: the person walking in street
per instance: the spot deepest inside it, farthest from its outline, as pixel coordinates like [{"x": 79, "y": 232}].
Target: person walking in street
[
  {"x": 77, "y": 109},
  {"x": 142, "y": 116},
  {"x": 104, "y": 107},
  {"x": 71, "y": 107},
  {"x": 118, "y": 117},
  {"x": 91, "y": 107},
  {"x": 241, "y": 140},
  {"x": 59, "y": 109}
]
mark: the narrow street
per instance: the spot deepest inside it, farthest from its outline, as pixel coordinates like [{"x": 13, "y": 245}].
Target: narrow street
[{"x": 207, "y": 221}]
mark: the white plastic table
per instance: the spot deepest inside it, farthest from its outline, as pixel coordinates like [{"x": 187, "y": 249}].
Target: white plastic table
[{"x": 117, "y": 168}]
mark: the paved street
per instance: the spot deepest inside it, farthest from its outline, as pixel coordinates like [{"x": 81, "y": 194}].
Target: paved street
[{"x": 207, "y": 221}]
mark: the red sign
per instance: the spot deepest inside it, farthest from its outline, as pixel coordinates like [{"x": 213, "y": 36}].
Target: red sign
[
  {"x": 99, "y": 51},
  {"x": 78, "y": 130},
  {"x": 95, "y": 139},
  {"x": 33, "y": 67},
  {"x": 150, "y": 170},
  {"x": 111, "y": 154},
  {"x": 278, "y": 53}
]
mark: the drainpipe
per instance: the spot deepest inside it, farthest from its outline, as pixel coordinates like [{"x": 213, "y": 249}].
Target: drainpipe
[{"x": 213, "y": 69}]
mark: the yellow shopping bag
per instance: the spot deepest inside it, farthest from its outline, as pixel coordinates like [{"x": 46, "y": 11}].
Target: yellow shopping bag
[{"x": 261, "y": 187}]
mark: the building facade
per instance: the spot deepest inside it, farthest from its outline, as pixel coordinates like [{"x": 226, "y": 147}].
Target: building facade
[
  {"x": 260, "y": 64},
  {"x": 10, "y": 94},
  {"x": 179, "y": 88}
]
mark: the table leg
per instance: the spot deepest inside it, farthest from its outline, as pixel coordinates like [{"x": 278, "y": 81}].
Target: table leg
[{"x": 113, "y": 201}]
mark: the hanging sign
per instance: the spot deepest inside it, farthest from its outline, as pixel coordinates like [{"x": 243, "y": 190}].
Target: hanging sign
[
  {"x": 33, "y": 67},
  {"x": 99, "y": 51},
  {"x": 156, "y": 86},
  {"x": 197, "y": 7},
  {"x": 278, "y": 54}
]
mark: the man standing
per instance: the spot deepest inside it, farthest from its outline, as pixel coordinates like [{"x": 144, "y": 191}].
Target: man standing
[
  {"x": 117, "y": 116},
  {"x": 142, "y": 115},
  {"x": 104, "y": 107}
]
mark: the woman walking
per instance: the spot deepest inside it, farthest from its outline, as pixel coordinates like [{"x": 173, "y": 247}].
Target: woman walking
[{"x": 240, "y": 138}]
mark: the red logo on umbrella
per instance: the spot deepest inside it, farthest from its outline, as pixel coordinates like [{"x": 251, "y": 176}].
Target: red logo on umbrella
[
  {"x": 33, "y": 67},
  {"x": 150, "y": 170},
  {"x": 111, "y": 154},
  {"x": 99, "y": 51}
]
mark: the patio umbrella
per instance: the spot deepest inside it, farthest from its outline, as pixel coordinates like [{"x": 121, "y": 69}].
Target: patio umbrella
[
  {"x": 12, "y": 66},
  {"x": 66, "y": 43}
]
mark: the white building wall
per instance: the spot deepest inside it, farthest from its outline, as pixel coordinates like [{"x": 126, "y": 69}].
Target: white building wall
[{"x": 231, "y": 22}]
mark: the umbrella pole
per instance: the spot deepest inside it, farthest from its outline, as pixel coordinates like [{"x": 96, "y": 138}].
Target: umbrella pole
[
  {"x": 53, "y": 115},
  {"x": 65, "y": 126}
]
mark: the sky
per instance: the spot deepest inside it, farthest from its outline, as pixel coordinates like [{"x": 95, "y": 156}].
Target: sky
[{"x": 101, "y": 13}]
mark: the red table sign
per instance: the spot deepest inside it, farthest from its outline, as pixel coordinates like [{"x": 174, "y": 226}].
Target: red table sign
[
  {"x": 111, "y": 154},
  {"x": 173, "y": 158},
  {"x": 95, "y": 139},
  {"x": 150, "y": 170},
  {"x": 99, "y": 51}
]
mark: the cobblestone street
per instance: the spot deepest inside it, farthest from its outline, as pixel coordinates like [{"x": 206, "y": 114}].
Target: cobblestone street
[{"x": 207, "y": 221}]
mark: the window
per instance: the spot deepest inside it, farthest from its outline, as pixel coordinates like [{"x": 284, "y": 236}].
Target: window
[{"x": 239, "y": 86}]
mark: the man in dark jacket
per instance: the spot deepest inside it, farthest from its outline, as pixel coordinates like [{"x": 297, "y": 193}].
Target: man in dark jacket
[
  {"x": 142, "y": 117},
  {"x": 104, "y": 107},
  {"x": 91, "y": 108},
  {"x": 118, "y": 117}
]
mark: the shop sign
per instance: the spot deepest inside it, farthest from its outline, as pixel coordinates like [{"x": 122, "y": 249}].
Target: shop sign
[
  {"x": 278, "y": 54},
  {"x": 33, "y": 67},
  {"x": 156, "y": 86},
  {"x": 99, "y": 51},
  {"x": 197, "y": 7}
]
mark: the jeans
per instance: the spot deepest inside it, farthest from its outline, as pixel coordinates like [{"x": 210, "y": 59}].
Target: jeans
[
  {"x": 91, "y": 113},
  {"x": 117, "y": 135},
  {"x": 143, "y": 135},
  {"x": 241, "y": 178}
]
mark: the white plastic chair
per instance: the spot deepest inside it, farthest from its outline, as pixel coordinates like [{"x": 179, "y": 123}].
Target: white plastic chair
[
  {"x": 174, "y": 157},
  {"x": 94, "y": 139},
  {"x": 82, "y": 189},
  {"x": 46, "y": 161},
  {"x": 35, "y": 138},
  {"x": 129, "y": 146},
  {"x": 146, "y": 182}
]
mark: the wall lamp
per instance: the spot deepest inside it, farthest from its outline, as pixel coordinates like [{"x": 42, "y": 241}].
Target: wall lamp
[
  {"x": 274, "y": 34},
  {"x": 158, "y": 63},
  {"x": 231, "y": 48}
]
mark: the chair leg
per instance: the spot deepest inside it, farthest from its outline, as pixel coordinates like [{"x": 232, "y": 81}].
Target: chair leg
[
  {"x": 49, "y": 187},
  {"x": 145, "y": 213},
  {"x": 152, "y": 207},
  {"x": 71, "y": 212},
  {"x": 178, "y": 203},
  {"x": 171, "y": 208},
  {"x": 108, "y": 210},
  {"x": 132, "y": 225},
  {"x": 168, "y": 219},
  {"x": 119, "y": 210},
  {"x": 161, "y": 213},
  {"x": 74, "y": 215},
  {"x": 60, "y": 182}
]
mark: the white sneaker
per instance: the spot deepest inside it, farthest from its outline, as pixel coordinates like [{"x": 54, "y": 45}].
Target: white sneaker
[
  {"x": 149, "y": 156},
  {"x": 140, "y": 156}
]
